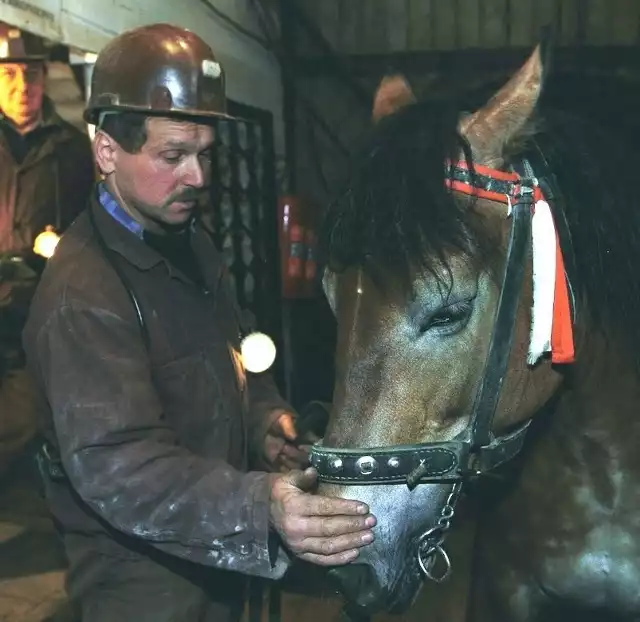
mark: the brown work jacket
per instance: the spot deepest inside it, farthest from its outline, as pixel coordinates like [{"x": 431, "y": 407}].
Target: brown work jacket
[
  {"x": 47, "y": 185},
  {"x": 155, "y": 439}
]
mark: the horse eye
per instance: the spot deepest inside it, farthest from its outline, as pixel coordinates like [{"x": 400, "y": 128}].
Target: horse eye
[{"x": 449, "y": 319}]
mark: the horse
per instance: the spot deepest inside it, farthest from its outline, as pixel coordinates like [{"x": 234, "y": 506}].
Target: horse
[{"x": 482, "y": 270}]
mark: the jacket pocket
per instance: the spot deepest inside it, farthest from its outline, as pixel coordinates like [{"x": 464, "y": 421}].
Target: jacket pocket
[{"x": 192, "y": 400}]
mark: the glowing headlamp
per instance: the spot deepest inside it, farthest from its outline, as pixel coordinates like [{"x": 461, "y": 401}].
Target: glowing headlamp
[
  {"x": 46, "y": 242},
  {"x": 258, "y": 352}
]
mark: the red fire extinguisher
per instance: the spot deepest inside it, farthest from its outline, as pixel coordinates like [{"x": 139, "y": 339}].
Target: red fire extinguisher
[{"x": 298, "y": 247}]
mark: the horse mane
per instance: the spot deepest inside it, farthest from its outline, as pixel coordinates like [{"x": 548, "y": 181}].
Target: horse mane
[
  {"x": 396, "y": 212},
  {"x": 602, "y": 210}
]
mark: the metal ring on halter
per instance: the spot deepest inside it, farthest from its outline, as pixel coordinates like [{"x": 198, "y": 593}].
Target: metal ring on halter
[
  {"x": 423, "y": 542},
  {"x": 431, "y": 541},
  {"x": 434, "y": 551}
]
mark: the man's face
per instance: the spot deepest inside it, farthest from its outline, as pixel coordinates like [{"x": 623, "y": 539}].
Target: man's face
[
  {"x": 165, "y": 179},
  {"x": 21, "y": 91}
]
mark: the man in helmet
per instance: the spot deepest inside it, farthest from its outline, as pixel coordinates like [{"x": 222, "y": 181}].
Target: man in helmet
[
  {"x": 46, "y": 174},
  {"x": 46, "y": 165},
  {"x": 133, "y": 341}
]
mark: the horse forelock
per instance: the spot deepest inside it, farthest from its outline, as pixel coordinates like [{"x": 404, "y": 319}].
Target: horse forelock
[{"x": 396, "y": 212}]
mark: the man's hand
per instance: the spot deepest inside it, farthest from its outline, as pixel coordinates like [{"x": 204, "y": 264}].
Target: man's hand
[
  {"x": 321, "y": 530},
  {"x": 283, "y": 449}
]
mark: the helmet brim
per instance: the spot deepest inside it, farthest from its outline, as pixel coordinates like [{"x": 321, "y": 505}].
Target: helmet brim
[{"x": 92, "y": 115}]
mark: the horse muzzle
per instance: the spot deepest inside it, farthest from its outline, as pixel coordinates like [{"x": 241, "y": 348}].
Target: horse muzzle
[{"x": 360, "y": 587}]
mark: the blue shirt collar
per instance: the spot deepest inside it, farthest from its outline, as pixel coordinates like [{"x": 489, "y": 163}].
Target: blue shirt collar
[{"x": 112, "y": 206}]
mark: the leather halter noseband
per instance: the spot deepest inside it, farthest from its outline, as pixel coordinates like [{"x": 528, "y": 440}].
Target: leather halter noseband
[{"x": 479, "y": 451}]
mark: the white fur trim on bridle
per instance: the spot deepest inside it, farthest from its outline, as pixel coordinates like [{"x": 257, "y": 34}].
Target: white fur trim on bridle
[{"x": 543, "y": 234}]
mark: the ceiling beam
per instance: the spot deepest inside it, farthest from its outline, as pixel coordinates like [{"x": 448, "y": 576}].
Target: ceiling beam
[{"x": 474, "y": 61}]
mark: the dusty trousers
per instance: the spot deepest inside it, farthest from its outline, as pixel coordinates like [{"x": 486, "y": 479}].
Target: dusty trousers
[{"x": 107, "y": 582}]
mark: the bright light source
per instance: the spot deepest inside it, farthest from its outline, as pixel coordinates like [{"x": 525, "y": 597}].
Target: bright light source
[
  {"x": 46, "y": 242},
  {"x": 258, "y": 352}
]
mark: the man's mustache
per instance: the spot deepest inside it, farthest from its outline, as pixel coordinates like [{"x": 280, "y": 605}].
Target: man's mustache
[{"x": 191, "y": 194}]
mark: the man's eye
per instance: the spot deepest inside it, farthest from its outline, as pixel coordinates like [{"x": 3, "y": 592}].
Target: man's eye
[{"x": 172, "y": 157}]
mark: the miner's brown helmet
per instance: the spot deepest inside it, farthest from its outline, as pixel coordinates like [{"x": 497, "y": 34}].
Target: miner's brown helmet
[
  {"x": 20, "y": 46},
  {"x": 158, "y": 69}
]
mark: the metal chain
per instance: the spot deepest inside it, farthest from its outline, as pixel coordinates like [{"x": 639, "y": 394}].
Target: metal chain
[{"x": 431, "y": 541}]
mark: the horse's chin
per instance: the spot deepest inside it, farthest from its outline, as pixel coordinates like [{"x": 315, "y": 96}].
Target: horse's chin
[
  {"x": 397, "y": 602},
  {"x": 406, "y": 589},
  {"x": 396, "y": 599}
]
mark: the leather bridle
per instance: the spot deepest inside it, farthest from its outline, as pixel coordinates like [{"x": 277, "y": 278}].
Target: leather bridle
[{"x": 478, "y": 451}]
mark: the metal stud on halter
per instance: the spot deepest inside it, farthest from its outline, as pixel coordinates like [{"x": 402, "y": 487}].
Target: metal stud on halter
[{"x": 258, "y": 352}]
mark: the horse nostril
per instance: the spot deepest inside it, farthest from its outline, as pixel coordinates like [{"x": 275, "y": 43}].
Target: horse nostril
[{"x": 358, "y": 584}]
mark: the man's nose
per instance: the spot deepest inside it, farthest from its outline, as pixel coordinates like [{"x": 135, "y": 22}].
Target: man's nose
[
  {"x": 20, "y": 81},
  {"x": 194, "y": 176}
]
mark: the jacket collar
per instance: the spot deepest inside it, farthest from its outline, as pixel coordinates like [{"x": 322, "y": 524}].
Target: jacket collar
[
  {"x": 133, "y": 249},
  {"x": 111, "y": 205}
]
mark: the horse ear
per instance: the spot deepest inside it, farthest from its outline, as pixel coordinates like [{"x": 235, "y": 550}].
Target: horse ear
[
  {"x": 393, "y": 94},
  {"x": 504, "y": 118}
]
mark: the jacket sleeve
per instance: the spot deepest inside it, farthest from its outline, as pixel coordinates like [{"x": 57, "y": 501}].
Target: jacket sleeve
[
  {"x": 265, "y": 406},
  {"x": 265, "y": 402},
  {"x": 126, "y": 463}
]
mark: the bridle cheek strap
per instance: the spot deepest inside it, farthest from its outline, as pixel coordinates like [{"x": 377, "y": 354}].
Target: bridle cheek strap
[{"x": 551, "y": 315}]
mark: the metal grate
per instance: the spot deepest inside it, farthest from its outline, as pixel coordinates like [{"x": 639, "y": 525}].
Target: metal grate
[{"x": 243, "y": 218}]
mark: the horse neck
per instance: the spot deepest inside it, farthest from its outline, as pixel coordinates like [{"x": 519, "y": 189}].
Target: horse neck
[{"x": 601, "y": 392}]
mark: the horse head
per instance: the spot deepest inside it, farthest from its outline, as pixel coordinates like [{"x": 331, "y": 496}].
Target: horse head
[{"x": 419, "y": 247}]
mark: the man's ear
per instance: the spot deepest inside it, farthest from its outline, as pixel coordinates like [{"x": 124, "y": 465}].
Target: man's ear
[{"x": 105, "y": 152}]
